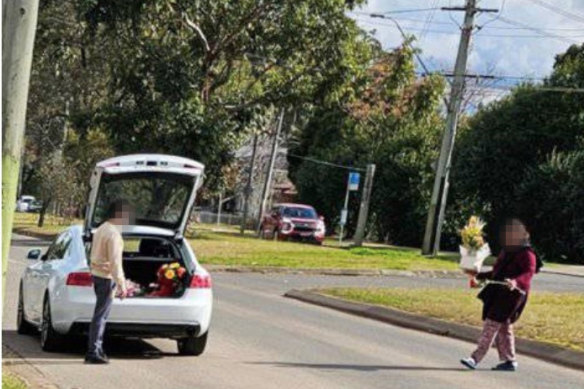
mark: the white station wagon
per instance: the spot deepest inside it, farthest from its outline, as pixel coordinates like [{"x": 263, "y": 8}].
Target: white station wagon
[{"x": 56, "y": 292}]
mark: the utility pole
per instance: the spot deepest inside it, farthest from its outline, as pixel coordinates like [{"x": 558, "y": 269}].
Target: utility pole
[
  {"x": 270, "y": 171},
  {"x": 19, "y": 20},
  {"x": 435, "y": 219},
  {"x": 364, "y": 208},
  {"x": 249, "y": 187}
]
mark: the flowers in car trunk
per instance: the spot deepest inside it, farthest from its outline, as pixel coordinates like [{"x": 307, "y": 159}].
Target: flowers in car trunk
[
  {"x": 170, "y": 280},
  {"x": 474, "y": 249}
]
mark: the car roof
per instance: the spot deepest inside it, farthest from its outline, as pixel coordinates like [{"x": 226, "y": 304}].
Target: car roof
[{"x": 294, "y": 205}]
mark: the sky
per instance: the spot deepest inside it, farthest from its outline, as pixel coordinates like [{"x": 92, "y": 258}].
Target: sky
[{"x": 500, "y": 47}]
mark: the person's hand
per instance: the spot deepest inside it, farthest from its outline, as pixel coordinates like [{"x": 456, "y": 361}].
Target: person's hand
[
  {"x": 122, "y": 294},
  {"x": 511, "y": 284}
]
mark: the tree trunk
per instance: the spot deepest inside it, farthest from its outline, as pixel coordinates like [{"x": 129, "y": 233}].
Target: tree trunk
[{"x": 43, "y": 212}]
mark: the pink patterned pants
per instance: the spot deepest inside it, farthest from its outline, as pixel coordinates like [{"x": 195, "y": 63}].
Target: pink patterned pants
[{"x": 502, "y": 335}]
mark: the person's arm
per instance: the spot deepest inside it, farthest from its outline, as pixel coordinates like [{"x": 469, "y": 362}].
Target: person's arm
[
  {"x": 527, "y": 265},
  {"x": 115, "y": 253}
]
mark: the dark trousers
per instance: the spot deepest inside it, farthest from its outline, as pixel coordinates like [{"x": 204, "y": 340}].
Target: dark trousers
[{"x": 103, "y": 291}]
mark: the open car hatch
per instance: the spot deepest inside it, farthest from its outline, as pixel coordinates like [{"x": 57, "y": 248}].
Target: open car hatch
[{"x": 161, "y": 188}]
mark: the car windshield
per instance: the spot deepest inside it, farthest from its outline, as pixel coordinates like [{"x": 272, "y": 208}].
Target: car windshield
[
  {"x": 159, "y": 199},
  {"x": 304, "y": 213}
]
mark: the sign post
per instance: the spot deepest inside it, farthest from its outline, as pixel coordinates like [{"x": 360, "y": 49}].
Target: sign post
[{"x": 352, "y": 185}]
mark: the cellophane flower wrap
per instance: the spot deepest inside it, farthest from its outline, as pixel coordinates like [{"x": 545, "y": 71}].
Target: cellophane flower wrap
[{"x": 473, "y": 250}]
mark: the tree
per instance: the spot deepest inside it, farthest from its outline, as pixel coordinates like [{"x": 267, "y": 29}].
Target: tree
[
  {"x": 510, "y": 138},
  {"x": 57, "y": 184},
  {"x": 191, "y": 76},
  {"x": 382, "y": 114}
]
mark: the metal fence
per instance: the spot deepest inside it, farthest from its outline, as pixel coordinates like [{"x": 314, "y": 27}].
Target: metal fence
[{"x": 205, "y": 217}]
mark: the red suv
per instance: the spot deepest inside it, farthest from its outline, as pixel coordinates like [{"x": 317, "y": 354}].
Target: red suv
[{"x": 294, "y": 222}]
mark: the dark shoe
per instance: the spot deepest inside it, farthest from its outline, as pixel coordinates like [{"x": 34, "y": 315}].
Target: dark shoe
[
  {"x": 469, "y": 362},
  {"x": 103, "y": 356},
  {"x": 96, "y": 360},
  {"x": 506, "y": 366}
]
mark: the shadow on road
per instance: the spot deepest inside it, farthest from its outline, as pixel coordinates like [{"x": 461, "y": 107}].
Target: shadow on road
[
  {"x": 335, "y": 366},
  {"x": 73, "y": 350}
]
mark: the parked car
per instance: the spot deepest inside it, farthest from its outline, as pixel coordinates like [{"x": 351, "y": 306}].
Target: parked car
[
  {"x": 35, "y": 206},
  {"x": 56, "y": 295},
  {"x": 294, "y": 222},
  {"x": 24, "y": 203}
]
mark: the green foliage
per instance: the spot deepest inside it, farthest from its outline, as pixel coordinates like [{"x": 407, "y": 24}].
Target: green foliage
[
  {"x": 387, "y": 117},
  {"x": 183, "y": 77},
  {"x": 552, "y": 195},
  {"x": 510, "y": 145}
]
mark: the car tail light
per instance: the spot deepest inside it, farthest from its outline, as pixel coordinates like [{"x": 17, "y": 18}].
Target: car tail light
[
  {"x": 113, "y": 164},
  {"x": 200, "y": 282},
  {"x": 79, "y": 279},
  {"x": 189, "y": 166}
]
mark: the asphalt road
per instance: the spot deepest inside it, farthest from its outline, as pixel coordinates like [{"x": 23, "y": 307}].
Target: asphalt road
[{"x": 259, "y": 339}]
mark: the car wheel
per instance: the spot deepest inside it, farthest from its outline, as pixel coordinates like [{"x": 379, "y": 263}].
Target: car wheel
[
  {"x": 22, "y": 326},
  {"x": 192, "y": 345},
  {"x": 50, "y": 339}
]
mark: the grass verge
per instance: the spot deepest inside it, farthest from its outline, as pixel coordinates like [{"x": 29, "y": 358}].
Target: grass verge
[
  {"x": 230, "y": 248},
  {"x": 549, "y": 317},
  {"x": 10, "y": 381}
]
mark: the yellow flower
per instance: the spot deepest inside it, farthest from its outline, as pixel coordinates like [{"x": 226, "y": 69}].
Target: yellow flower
[
  {"x": 165, "y": 266},
  {"x": 175, "y": 265},
  {"x": 169, "y": 274}
]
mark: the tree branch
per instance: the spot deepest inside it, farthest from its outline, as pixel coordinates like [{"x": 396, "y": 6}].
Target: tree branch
[{"x": 195, "y": 27}]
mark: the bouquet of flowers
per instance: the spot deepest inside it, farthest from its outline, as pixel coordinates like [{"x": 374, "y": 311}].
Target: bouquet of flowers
[
  {"x": 474, "y": 250},
  {"x": 170, "y": 280},
  {"x": 134, "y": 289}
]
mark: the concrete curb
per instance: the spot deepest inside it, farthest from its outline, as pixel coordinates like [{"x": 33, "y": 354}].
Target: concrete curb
[
  {"x": 335, "y": 272},
  {"x": 540, "y": 350},
  {"x": 561, "y": 273},
  {"x": 38, "y": 235}
]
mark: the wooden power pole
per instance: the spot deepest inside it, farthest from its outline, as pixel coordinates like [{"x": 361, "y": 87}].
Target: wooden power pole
[
  {"x": 270, "y": 172},
  {"x": 364, "y": 208},
  {"x": 19, "y": 20},
  {"x": 249, "y": 186},
  {"x": 435, "y": 219}
]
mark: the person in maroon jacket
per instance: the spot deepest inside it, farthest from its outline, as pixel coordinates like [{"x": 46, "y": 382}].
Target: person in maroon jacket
[{"x": 504, "y": 298}]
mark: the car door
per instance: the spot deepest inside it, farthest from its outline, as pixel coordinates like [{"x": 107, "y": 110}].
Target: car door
[{"x": 41, "y": 272}]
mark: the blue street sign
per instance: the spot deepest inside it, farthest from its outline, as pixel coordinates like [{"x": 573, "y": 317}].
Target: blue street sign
[{"x": 354, "y": 181}]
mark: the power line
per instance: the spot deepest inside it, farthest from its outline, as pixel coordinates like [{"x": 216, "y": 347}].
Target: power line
[
  {"x": 446, "y": 32},
  {"x": 438, "y": 22},
  {"x": 559, "y": 11},
  {"x": 321, "y": 162},
  {"x": 402, "y": 11},
  {"x": 539, "y": 31}
]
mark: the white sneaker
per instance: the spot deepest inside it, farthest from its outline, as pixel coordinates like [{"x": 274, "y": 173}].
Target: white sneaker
[{"x": 469, "y": 363}]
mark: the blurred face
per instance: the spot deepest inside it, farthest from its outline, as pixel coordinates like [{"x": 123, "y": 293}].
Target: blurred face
[
  {"x": 125, "y": 216},
  {"x": 514, "y": 234}
]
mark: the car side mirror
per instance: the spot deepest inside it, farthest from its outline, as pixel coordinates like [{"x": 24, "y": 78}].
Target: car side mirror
[{"x": 34, "y": 254}]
